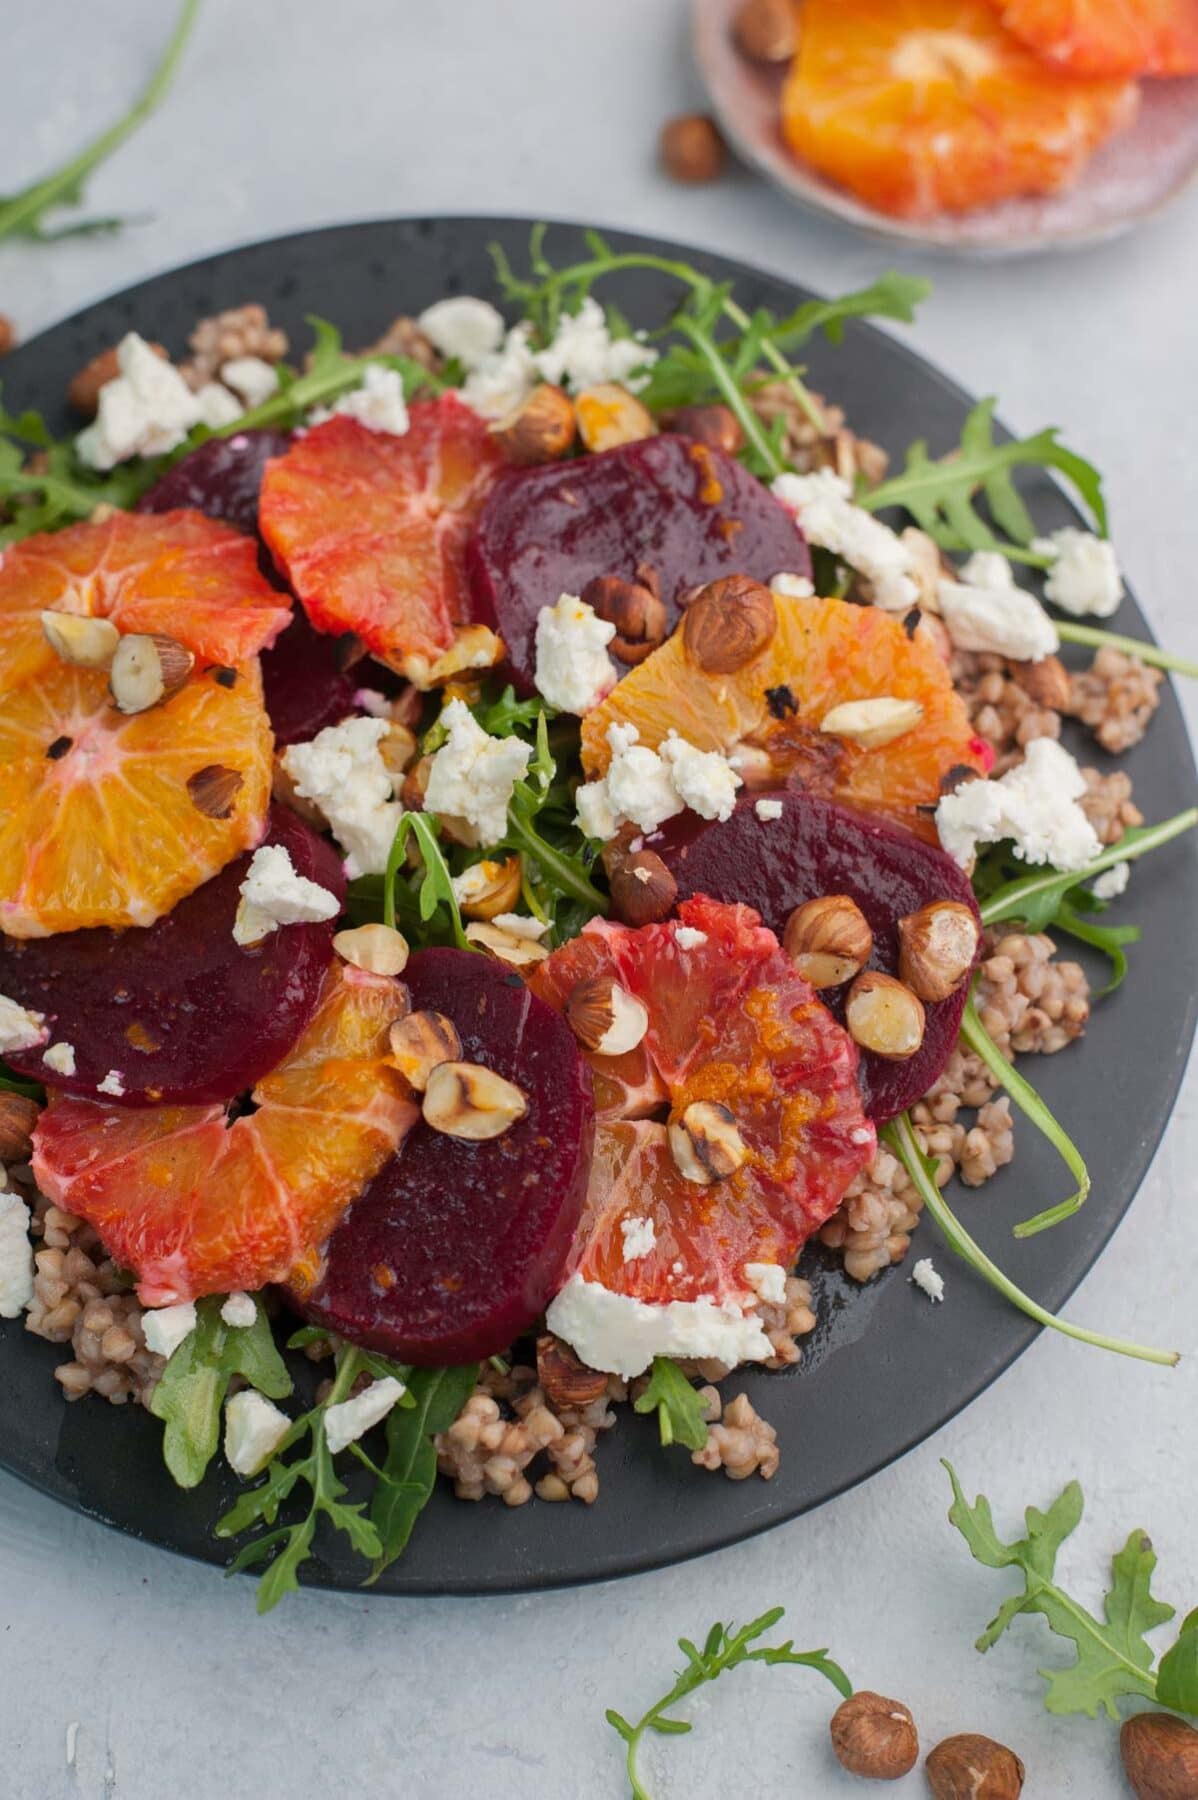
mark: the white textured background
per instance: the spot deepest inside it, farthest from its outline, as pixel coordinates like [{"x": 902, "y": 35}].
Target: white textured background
[{"x": 298, "y": 115}]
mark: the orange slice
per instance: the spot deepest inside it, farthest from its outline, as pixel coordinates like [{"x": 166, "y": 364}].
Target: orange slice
[
  {"x": 98, "y": 825},
  {"x": 926, "y": 106},
  {"x": 195, "y": 1203},
  {"x": 1109, "y": 37},
  {"x": 823, "y": 653}
]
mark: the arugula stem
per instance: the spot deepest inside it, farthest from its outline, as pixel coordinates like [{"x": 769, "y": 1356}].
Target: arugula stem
[
  {"x": 797, "y": 388},
  {"x": 900, "y": 1135},
  {"x": 320, "y": 385},
  {"x": 1014, "y": 898},
  {"x": 1032, "y": 1106},
  {"x": 1070, "y": 633},
  {"x": 749, "y": 422},
  {"x": 58, "y": 188},
  {"x": 563, "y": 872}
]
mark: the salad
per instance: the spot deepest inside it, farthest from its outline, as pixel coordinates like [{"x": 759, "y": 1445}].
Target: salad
[{"x": 511, "y": 834}]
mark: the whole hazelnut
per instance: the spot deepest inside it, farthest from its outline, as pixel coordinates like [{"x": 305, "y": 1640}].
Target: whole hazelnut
[
  {"x": 692, "y": 149},
  {"x": 540, "y": 430},
  {"x": 643, "y": 891},
  {"x": 8, "y": 334},
  {"x": 970, "y": 1767},
  {"x": 828, "y": 940},
  {"x": 634, "y": 608},
  {"x": 1046, "y": 682},
  {"x": 937, "y": 946},
  {"x": 875, "y": 1737},
  {"x": 884, "y": 1016},
  {"x": 766, "y": 30},
  {"x": 730, "y": 624},
  {"x": 1160, "y": 1756},
  {"x": 716, "y": 426},
  {"x": 18, "y": 1116}
]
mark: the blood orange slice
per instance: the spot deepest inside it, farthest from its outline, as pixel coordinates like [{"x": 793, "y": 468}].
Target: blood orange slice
[
  {"x": 99, "y": 825},
  {"x": 730, "y": 1022},
  {"x": 823, "y": 653},
  {"x": 371, "y": 528},
  {"x": 1109, "y": 37},
  {"x": 923, "y": 106},
  {"x": 197, "y": 1203}
]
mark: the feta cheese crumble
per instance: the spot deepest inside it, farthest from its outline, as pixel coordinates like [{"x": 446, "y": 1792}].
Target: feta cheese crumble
[
  {"x": 768, "y": 1282},
  {"x": 218, "y": 406},
  {"x": 345, "y": 1423},
  {"x": 251, "y": 378},
  {"x": 646, "y": 787},
  {"x": 1034, "y": 805},
  {"x": 823, "y": 506},
  {"x": 687, "y": 938},
  {"x": 621, "y": 1335},
  {"x": 574, "y": 671},
  {"x": 794, "y": 587},
  {"x": 61, "y": 1058},
  {"x": 584, "y": 354},
  {"x": 273, "y": 894},
  {"x": 640, "y": 1237},
  {"x": 341, "y": 770},
  {"x": 705, "y": 779},
  {"x": 472, "y": 775},
  {"x": 464, "y": 328},
  {"x": 1112, "y": 882},
  {"x": 16, "y": 1254},
  {"x": 165, "y": 1327},
  {"x": 928, "y": 1279},
  {"x": 1085, "y": 576},
  {"x": 113, "y": 1083},
  {"x": 768, "y": 810},
  {"x": 502, "y": 381},
  {"x": 20, "y": 1029},
  {"x": 378, "y": 403},
  {"x": 1004, "y": 619},
  {"x": 254, "y": 1429},
  {"x": 145, "y": 410},
  {"x": 239, "y": 1311}
]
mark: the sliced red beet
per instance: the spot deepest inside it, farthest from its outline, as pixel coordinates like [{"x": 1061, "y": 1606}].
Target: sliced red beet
[
  {"x": 180, "y": 1010},
  {"x": 455, "y": 1248},
  {"x": 692, "y": 512},
  {"x": 220, "y": 478},
  {"x": 816, "y": 848},
  {"x": 305, "y": 687}
]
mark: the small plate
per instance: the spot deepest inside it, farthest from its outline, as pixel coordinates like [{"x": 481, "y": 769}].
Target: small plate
[{"x": 1140, "y": 171}]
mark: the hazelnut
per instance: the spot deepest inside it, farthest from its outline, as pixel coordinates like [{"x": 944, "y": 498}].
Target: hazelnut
[
  {"x": 643, "y": 891},
  {"x": 604, "y": 1018},
  {"x": 828, "y": 940},
  {"x": 488, "y": 887},
  {"x": 83, "y": 391},
  {"x": 566, "y": 1379},
  {"x": 884, "y": 1016},
  {"x": 8, "y": 334},
  {"x": 634, "y": 608},
  {"x": 1046, "y": 682},
  {"x": 283, "y": 789},
  {"x": 874, "y": 1737},
  {"x": 937, "y": 946},
  {"x": 415, "y": 785},
  {"x": 420, "y": 1043},
  {"x": 1160, "y": 1756},
  {"x": 214, "y": 790},
  {"x": 969, "y": 1767},
  {"x": 465, "y": 1100},
  {"x": 540, "y": 430},
  {"x": 86, "y": 642},
  {"x": 511, "y": 947},
  {"x": 692, "y": 149},
  {"x": 147, "y": 669},
  {"x": 707, "y": 1146},
  {"x": 473, "y": 647},
  {"x": 716, "y": 426},
  {"x": 18, "y": 1116},
  {"x": 729, "y": 624},
  {"x": 608, "y": 415},
  {"x": 872, "y": 723},
  {"x": 397, "y": 748},
  {"x": 766, "y": 30},
  {"x": 379, "y": 949}
]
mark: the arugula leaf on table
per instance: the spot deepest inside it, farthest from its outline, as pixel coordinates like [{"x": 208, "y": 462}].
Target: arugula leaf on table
[
  {"x": 724, "y": 1648},
  {"x": 1113, "y": 1658},
  {"x": 24, "y": 214},
  {"x": 408, "y": 1473},
  {"x": 681, "y": 1415},
  {"x": 189, "y": 1397}
]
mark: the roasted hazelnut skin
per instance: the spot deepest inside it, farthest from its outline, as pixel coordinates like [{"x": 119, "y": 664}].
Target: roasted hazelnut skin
[
  {"x": 18, "y": 1116},
  {"x": 884, "y": 1016},
  {"x": 692, "y": 148},
  {"x": 875, "y": 1737},
  {"x": 636, "y": 611},
  {"x": 716, "y": 426},
  {"x": 542, "y": 430},
  {"x": 828, "y": 940},
  {"x": 972, "y": 1767},
  {"x": 1160, "y": 1756},
  {"x": 766, "y": 30},
  {"x": 937, "y": 947},
  {"x": 643, "y": 891},
  {"x": 729, "y": 624}
]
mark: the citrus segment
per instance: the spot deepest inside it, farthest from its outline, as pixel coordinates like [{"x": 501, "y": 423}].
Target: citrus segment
[
  {"x": 99, "y": 826},
  {"x": 923, "y": 106},
  {"x": 371, "y": 528},
  {"x": 823, "y": 653},
  {"x": 1109, "y": 37},
  {"x": 194, "y": 1202}
]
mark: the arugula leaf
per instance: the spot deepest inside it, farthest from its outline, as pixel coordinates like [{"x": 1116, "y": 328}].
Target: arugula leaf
[
  {"x": 1070, "y": 632},
  {"x": 409, "y": 1473},
  {"x": 328, "y": 374},
  {"x": 196, "y": 1379},
  {"x": 940, "y": 495},
  {"x": 681, "y": 1415},
  {"x": 61, "y": 491},
  {"x": 1177, "y": 1677},
  {"x": 724, "y": 1648},
  {"x": 892, "y": 296},
  {"x": 1035, "y": 899},
  {"x": 24, "y": 214},
  {"x": 11, "y": 1083},
  {"x": 1113, "y": 1657},
  {"x": 1109, "y": 939},
  {"x": 436, "y": 884}
]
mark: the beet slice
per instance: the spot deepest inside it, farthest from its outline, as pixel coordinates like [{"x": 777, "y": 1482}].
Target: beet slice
[
  {"x": 456, "y": 1248},
  {"x": 221, "y": 478},
  {"x": 690, "y": 511},
  {"x": 815, "y": 848},
  {"x": 304, "y": 686},
  {"x": 179, "y": 1009}
]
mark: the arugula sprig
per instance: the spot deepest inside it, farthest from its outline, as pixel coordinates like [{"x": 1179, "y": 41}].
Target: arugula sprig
[
  {"x": 723, "y": 1648},
  {"x": 408, "y": 1474},
  {"x": 189, "y": 1397},
  {"x": 12, "y": 1083},
  {"x": 329, "y": 373},
  {"x": 1113, "y": 1659},
  {"x": 1035, "y": 899},
  {"x": 435, "y": 884},
  {"x": 681, "y": 1415},
  {"x": 60, "y": 492}
]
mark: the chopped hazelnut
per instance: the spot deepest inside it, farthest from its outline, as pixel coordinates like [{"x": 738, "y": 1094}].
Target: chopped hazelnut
[
  {"x": 420, "y": 1043},
  {"x": 706, "y": 1144},
  {"x": 379, "y": 949},
  {"x": 884, "y": 1016},
  {"x": 872, "y": 723},
  {"x": 465, "y": 1100},
  {"x": 146, "y": 669}
]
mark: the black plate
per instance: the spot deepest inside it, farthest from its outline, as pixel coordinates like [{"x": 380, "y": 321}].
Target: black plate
[{"x": 884, "y": 1367}]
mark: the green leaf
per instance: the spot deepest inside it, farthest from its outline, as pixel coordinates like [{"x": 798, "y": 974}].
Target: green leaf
[
  {"x": 680, "y": 1411},
  {"x": 436, "y": 883},
  {"x": 1035, "y": 899},
  {"x": 409, "y": 1473},
  {"x": 189, "y": 1397},
  {"x": 1177, "y": 1677},
  {"x": 11, "y": 1083},
  {"x": 1109, "y": 939},
  {"x": 892, "y": 296}
]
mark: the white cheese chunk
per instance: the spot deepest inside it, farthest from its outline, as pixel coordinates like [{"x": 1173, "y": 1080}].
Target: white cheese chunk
[
  {"x": 502, "y": 381},
  {"x": 16, "y": 1254},
  {"x": 165, "y": 1327},
  {"x": 20, "y": 1029},
  {"x": 145, "y": 410},
  {"x": 768, "y": 1282},
  {"x": 640, "y": 1238},
  {"x": 251, "y": 378},
  {"x": 341, "y": 770},
  {"x": 218, "y": 406},
  {"x": 705, "y": 779},
  {"x": 823, "y": 506},
  {"x": 345, "y": 1423},
  {"x": 1085, "y": 576},
  {"x": 621, "y": 1335},
  {"x": 239, "y": 1311},
  {"x": 254, "y": 1429},
  {"x": 273, "y": 894},
  {"x": 687, "y": 938},
  {"x": 795, "y": 587},
  {"x": 1112, "y": 882},
  {"x": 646, "y": 787},
  {"x": 1005, "y": 620},
  {"x": 464, "y": 328},
  {"x": 583, "y": 352},
  {"x": 987, "y": 569},
  {"x": 113, "y": 1083},
  {"x": 1034, "y": 805},
  {"x": 472, "y": 775},
  {"x": 574, "y": 671},
  {"x": 928, "y": 1279},
  {"x": 378, "y": 403},
  {"x": 768, "y": 810},
  {"x": 61, "y": 1058}
]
